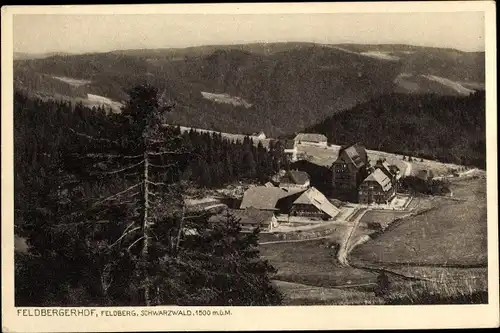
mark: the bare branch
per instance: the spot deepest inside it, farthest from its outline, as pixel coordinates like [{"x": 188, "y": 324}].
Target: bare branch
[
  {"x": 79, "y": 223},
  {"x": 128, "y": 249},
  {"x": 172, "y": 152},
  {"x": 124, "y": 234},
  {"x": 162, "y": 166},
  {"x": 114, "y": 156},
  {"x": 119, "y": 170},
  {"x": 90, "y": 137},
  {"x": 116, "y": 195},
  {"x": 157, "y": 184}
]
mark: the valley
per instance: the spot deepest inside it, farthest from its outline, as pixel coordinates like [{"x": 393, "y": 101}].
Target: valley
[{"x": 236, "y": 108}]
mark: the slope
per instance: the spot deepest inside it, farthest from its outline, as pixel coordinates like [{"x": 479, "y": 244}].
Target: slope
[
  {"x": 444, "y": 128},
  {"x": 289, "y": 85}
]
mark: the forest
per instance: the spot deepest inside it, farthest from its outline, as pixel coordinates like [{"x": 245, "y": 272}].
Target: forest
[
  {"x": 445, "y": 128},
  {"x": 99, "y": 198}
]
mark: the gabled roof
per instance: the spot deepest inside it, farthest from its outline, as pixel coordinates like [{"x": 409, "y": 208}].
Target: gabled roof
[
  {"x": 295, "y": 177},
  {"x": 314, "y": 197},
  {"x": 356, "y": 154},
  {"x": 262, "y": 197},
  {"x": 380, "y": 177},
  {"x": 385, "y": 167},
  {"x": 310, "y": 137}
]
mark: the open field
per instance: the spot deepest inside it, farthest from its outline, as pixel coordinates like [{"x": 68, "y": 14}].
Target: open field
[
  {"x": 230, "y": 136},
  {"x": 442, "y": 286},
  {"x": 312, "y": 263},
  {"x": 383, "y": 217},
  {"x": 300, "y": 294},
  {"x": 453, "y": 233}
]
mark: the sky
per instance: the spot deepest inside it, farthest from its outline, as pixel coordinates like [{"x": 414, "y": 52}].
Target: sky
[{"x": 41, "y": 33}]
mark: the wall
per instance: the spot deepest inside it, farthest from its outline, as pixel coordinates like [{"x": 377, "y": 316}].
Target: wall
[
  {"x": 306, "y": 211},
  {"x": 375, "y": 195},
  {"x": 344, "y": 184}
]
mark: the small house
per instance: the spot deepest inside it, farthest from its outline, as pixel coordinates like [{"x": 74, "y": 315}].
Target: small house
[
  {"x": 295, "y": 179},
  {"x": 290, "y": 150},
  {"x": 376, "y": 188},
  {"x": 311, "y": 139},
  {"x": 313, "y": 204},
  {"x": 260, "y": 135}
]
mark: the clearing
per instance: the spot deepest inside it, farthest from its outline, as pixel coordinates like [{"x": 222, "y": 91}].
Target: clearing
[
  {"x": 71, "y": 81},
  {"x": 226, "y": 99},
  {"x": 454, "y": 233},
  {"x": 450, "y": 84},
  {"x": 301, "y": 294},
  {"x": 312, "y": 263}
]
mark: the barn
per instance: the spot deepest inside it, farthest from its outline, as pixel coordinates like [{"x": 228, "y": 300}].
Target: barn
[
  {"x": 311, "y": 139},
  {"x": 313, "y": 204},
  {"x": 295, "y": 179}
]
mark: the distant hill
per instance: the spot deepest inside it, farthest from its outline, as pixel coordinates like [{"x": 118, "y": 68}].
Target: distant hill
[
  {"x": 28, "y": 56},
  {"x": 288, "y": 86},
  {"x": 446, "y": 128}
]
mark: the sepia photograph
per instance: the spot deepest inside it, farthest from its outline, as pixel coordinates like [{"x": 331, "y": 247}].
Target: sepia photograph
[{"x": 247, "y": 159}]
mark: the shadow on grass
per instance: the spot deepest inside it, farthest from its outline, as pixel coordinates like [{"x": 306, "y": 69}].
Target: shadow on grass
[{"x": 480, "y": 297}]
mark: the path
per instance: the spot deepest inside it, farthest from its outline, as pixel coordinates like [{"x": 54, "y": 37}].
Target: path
[
  {"x": 295, "y": 240},
  {"x": 344, "y": 247}
]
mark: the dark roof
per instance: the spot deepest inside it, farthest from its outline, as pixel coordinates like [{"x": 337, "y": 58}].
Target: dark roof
[
  {"x": 247, "y": 216},
  {"x": 262, "y": 197},
  {"x": 385, "y": 167},
  {"x": 295, "y": 177},
  {"x": 356, "y": 153},
  {"x": 289, "y": 144}
]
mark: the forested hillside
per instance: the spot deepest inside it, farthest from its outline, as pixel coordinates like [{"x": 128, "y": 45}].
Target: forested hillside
[
  {"x": 445, "y": 128},
  {"x": 289, "y": 86},
  {"x": 99, "y": 199}
]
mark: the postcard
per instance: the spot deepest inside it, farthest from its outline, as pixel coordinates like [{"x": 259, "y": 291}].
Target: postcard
[{"x": 249, "y": 166}]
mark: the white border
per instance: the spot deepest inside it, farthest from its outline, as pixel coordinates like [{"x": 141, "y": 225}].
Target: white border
[{"x": 260, "y": 318}]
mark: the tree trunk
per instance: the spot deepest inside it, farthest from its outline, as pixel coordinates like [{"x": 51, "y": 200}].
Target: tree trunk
[{"x": 145, "y": 228}]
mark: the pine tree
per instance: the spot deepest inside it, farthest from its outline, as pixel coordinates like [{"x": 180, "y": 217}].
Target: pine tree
[{"x": 146, "y": 159}]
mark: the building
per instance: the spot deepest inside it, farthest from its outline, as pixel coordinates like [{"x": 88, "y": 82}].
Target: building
[
  {"x": 395, "y": 171},
  {"x": 272, "y": 199},
  {"x": 250, "y": 219},
  {"x": 311, "y": 139},
  {"x": 313, "y": 204},
  {"x": 291, "y": 150},
  {"x": 295, "y": 179},
  {"x": 425, "y": 175},
  {"x": 348, "y": 171},
  {"x": 376, "y": 188},
  {"x": 386, "y": 169},
  {"x": 260, "y": 135}
]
